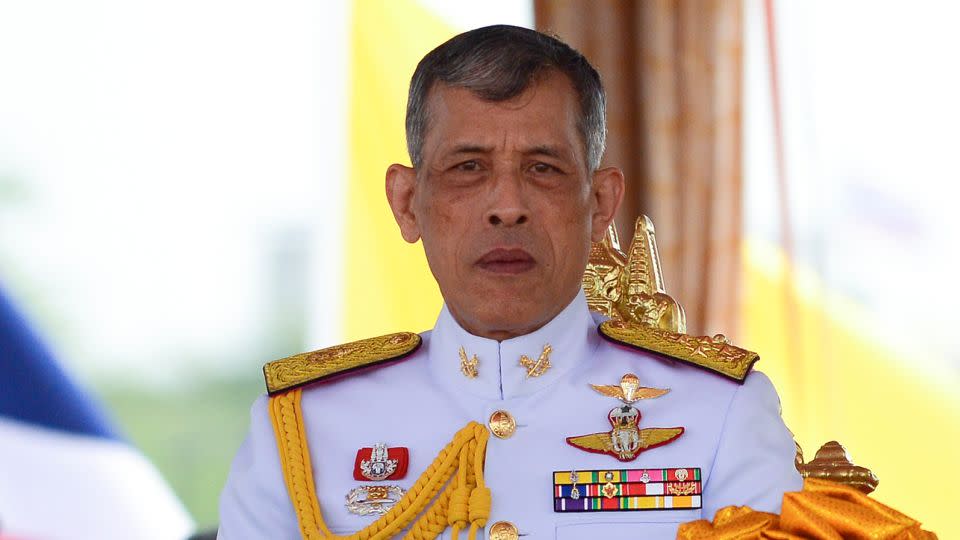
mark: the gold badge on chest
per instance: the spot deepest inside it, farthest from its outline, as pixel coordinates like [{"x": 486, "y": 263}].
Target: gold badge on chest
[{"x": 625, "y": 441}]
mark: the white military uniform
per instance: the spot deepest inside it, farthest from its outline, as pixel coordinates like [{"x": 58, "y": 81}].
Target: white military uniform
[{"x": 733, "y": 433}]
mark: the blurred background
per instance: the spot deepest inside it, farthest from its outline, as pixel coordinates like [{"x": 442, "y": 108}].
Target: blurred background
[{"x": 191, "y": 188}]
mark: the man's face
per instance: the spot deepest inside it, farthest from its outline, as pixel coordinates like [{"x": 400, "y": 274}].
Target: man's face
[{"x": 505, "y": 204}]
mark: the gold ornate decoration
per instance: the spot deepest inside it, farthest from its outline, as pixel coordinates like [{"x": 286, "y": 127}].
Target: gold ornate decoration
[
  {"x": 713, "y": 353},
  {"x": 629, "y": 390},
  {"x": 469, "y": 367},
  {"x": 631, "y": 287},
  {"x": 630, "y": 290},
  {"x": 309, "y": 367},
  {"x": 832, "y": 462},
  {"x": 541, "y": 365}
]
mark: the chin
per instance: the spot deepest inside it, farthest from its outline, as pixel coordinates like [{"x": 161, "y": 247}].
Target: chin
[
  {"x": 509, "y": 312},
  {"x": 508, "y": 325}
]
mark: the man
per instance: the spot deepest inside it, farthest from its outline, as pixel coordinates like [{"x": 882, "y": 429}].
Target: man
[{"x": 505, "y": 129}]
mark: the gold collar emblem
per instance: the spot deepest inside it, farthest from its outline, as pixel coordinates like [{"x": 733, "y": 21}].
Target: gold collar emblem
[
  {"x": 468, "y": 367},
  {"x": 541, "y": 365}
]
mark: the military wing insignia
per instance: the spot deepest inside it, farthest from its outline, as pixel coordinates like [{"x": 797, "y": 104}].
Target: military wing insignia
[
  {"x": 652, "y": 437},
  {"x": 625, "y": 441},
  {"x": 629, "y": 390},
  {"x": 600, "y": 443}
]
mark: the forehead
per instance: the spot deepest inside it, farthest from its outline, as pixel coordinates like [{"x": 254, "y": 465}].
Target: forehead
[{"x": 545, "y": 114}]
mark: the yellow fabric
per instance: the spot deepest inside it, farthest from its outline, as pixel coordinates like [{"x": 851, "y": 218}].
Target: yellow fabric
[
  {"x": 823, "y": 510},
  {"x": 840, "y": 379},
  {"x": 465, "y": 500},
  {"x": 387, "y": 283}
]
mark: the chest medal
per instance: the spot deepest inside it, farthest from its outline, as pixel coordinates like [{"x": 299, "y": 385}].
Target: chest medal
[{"x": 626, "y": 440}]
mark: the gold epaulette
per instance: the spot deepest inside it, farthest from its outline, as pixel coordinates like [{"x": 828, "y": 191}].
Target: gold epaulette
[
  {"x": 310, "y": 367},
  {"x": 711, "y": 353}
]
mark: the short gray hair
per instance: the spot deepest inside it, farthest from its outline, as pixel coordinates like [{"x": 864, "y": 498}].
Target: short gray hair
[{"x": 498, "y": 63}]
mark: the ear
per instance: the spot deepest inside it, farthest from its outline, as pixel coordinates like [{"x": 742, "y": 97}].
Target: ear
[
  {"x": 401, "y": 187},
  {"x": 608, "y": 194}
]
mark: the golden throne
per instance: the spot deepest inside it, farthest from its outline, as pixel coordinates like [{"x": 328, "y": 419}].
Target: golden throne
[{"x": 629, "y": 286}]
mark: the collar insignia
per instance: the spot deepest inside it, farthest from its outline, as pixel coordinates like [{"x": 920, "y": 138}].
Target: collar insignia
[
  {"x": 538, "y": 367},
  {"x": 469, "y": 368},
  {"x": 626, "y": 440}
]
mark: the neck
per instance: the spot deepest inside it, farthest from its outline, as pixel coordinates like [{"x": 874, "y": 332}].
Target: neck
[{"x": 502, "y": 330}]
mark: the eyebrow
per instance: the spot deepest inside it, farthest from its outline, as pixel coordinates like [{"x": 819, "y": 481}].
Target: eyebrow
[
  {"x": 470, "y": 149},
  {"x": 544, "y": 150}
]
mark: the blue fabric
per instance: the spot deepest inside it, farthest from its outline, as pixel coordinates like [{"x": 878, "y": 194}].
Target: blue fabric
[{"x": 33, "y": 388}]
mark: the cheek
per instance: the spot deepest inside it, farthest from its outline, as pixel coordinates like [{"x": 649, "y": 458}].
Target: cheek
[
  {"x": 441, "y": 224},
  {"x": 570, "y": 226},
  {"x": 574, "y": 211}
]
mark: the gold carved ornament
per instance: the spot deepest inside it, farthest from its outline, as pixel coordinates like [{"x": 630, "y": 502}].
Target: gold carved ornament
[
  {"x": 629, "y": 289},
  {"x": 832, "y": 462}
]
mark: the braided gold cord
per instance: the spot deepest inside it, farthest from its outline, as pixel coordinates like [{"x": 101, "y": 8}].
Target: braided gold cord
[
  {"x": 298, "y": 474},
  {"x": 434, "y": 520},
  {"x": 458, "y": 466}
]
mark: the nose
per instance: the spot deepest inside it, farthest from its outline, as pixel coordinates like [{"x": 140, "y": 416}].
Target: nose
[{"x": 508, "y": 207}]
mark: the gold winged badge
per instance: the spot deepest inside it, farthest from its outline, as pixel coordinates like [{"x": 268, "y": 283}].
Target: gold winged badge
[{"x": 626, "y": 440}]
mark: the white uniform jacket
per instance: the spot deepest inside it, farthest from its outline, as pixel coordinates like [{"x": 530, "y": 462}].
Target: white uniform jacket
[{"x": 733, "y": 433}]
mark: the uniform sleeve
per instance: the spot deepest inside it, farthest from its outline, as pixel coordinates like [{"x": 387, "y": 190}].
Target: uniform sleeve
[
  {"x": 754, "y": 465},
  {"x": 254, "y": 502}
]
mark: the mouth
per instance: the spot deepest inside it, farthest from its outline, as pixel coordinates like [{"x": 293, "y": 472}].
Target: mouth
[{"x": 506, "y": 261}]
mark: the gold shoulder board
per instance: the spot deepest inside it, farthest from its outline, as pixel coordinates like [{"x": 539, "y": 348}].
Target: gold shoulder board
[
  {"x": 711, "y": 353},
  {"x": 310, "y": 367}
]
